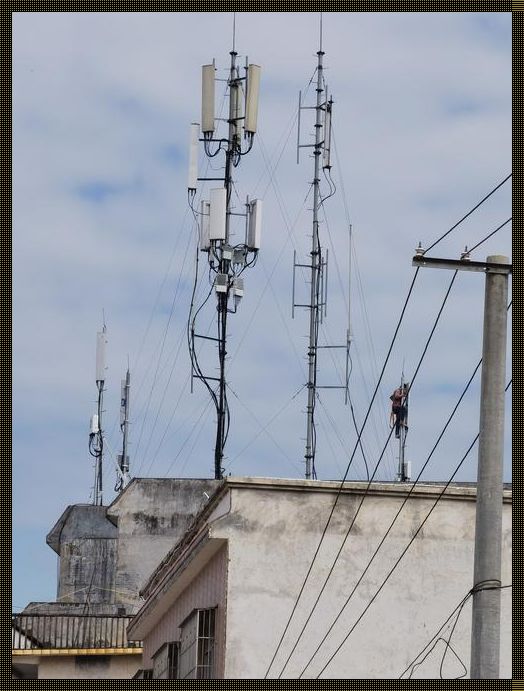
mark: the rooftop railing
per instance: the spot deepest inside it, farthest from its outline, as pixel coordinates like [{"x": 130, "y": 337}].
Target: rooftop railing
[{"x": 62, "y": 631}]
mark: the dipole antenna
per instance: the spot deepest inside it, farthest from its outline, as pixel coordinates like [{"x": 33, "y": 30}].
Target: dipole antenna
[
  {"x": 96, "y": 436},
  {"x": 216, "y": 220}
]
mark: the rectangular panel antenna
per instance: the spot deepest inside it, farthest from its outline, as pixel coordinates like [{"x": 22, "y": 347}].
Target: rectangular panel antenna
[
  {"x": 254, "y": 227},
  {"x": 208, "y": 99},
  {"x": 217, "y": 214},
  {"x": 253, "y": 88},
  {"x": 193, "y": 156},
  {"x": 205, "y": 244},
  {"x": 101, "y": 356}
]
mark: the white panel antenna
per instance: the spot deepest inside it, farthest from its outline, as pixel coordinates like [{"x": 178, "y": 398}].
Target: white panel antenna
[
  {"x": 254, "y": 227},
  {"x": 193, "y": 156},
  {"x": 237, "y": 109},
  {"x": 217, "y": 214},
  {"x": 208, "y": 99},
  {"x": 253, "y": 89},
  {"x": 94, "y": 427},
  {"x": 205, "y": 243},
  {"x": 101, "y": 342}
]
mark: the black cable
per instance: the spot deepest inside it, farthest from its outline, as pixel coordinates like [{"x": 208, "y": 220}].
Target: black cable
[
  {"x": 490, "y": 235},
  {"x": 394, "y": 338},
  {"x": 416, "y": 662},
  {"x": 399, "y": 559},
  {"x": 353, "y": 520},
  {"x": 469, "y": 213},
  {"x": 361, "y": 616},
  {"x": 435, "y": 639},
  {"x": 448, "y": 646},
  {"x": 424, "y": 466},
  {"x": 360, "y": 440}
]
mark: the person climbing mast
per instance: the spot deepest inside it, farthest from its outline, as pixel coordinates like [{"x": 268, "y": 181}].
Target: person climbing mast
[{"x": 398, "y": 416}]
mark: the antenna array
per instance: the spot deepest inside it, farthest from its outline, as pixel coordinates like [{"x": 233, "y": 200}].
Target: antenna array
[
  {"x": 216, "y": 217},
  {"x": 96, "y": 434}
]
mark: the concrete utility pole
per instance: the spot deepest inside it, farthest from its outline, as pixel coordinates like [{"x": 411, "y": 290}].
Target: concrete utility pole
[{"x": 485, "y": 631}]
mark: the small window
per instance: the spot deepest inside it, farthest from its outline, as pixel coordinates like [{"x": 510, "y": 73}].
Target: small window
[
  {"x": 165, "y": 662},
  {"x": 197, "y": 645}
]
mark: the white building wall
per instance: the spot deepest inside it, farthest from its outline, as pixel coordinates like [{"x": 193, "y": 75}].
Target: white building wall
[{"x": 273, "y": 534}]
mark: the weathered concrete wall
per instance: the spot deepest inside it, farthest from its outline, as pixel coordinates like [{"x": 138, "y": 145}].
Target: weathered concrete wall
[
  {"x": 273, "y": 535},
  {"x": 109, "y": 552},
  {"x": 152, "y": 515},
  {"x": 86, "y": 542},
  {"x": 89, "y": 667}
]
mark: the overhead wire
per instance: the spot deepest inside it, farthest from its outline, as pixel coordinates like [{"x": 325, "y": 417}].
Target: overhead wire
[
  {"x": 490, "y": 235},
  {"x": 164, "y": 338},
  {"x": 163, "y": 398},
  {"x": 322, "y": 537},
  {"x": 399, "y": 511},
  {"x": 264, "y": 427},
  {"x": 397, "y": 562},
  {"x": 484, "y": 199},
  {"x": 368, "y": 486},
  {"x": 354, "y": 268}
]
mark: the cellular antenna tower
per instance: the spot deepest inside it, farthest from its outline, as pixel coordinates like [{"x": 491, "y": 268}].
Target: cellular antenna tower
[
  {"x": 229, "y": 237},
  {"x": 318, "y": 267},
  {"x": 96, "y": 437}
]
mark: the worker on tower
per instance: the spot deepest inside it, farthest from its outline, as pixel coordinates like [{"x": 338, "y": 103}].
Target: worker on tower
[{"x": 398, "y": 416}]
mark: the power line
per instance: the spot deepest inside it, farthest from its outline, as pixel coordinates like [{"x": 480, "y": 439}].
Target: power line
[
  {"x": 263, "y": 428},
  {"x": 439, "y": 438},
  {"x": 404, "y": 307},
  {"x": 469, "y": 213},
  {"x": 490, "y": 235},
  {"x": 361, "y": 616},
  {"x": 377, "y": 549},
  {"x": 171, "y": 313},
  {"x": 353, "y": 520}
]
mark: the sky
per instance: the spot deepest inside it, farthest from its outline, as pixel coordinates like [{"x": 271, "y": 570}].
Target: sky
[{"x": 102, "y": 104}]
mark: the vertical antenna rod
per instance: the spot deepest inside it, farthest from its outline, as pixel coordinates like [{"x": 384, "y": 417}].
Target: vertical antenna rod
[
  {"x": 123, "y": 458},
  {"x": 96, "y": 438},
  {"x": 316, "y": 259},
  {"x": 402, "y": 473}
]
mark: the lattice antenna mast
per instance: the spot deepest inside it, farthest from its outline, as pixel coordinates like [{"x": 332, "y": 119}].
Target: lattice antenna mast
[
  {"x": 318, "y": 266},
  {"x": 96, "y": 436},
  {"x": 227, "y": 257}
]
